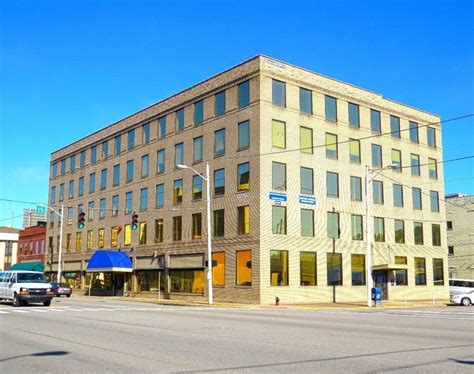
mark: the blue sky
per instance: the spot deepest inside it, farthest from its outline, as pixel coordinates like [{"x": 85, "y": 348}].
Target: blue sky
[{"x": 70, "y": 68}]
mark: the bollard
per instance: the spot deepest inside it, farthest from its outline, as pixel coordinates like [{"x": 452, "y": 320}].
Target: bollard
[{"x": 277, "y": 301}]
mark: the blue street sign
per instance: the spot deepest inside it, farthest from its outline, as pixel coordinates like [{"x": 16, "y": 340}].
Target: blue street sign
[
  {"x": 277, "y": 196},
  {"x": 307, "y": 199},
  {"x": 41, "y": 210}
]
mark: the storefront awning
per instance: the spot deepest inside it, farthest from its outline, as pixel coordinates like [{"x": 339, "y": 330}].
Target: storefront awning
[
  {"x": 390, "y": 267},
  {"x": 29, "y": 266},
  {"x": 109, "y": 261}
]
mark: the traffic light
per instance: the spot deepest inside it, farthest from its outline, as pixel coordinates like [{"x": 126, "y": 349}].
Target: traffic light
[
  {"x": 81, "y": 220},
  {"x": 134, "y": 221}
]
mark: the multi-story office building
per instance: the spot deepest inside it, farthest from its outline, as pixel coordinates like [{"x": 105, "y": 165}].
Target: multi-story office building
[
  {"x": 460, "y": 235},
  {"x": 287, "y": 150},
  {"x": 8, "y": 247},
  {"x": 31, "y": 218}
]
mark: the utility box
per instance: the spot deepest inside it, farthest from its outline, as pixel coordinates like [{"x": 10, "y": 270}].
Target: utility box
[{"x": 376, "y": 296}]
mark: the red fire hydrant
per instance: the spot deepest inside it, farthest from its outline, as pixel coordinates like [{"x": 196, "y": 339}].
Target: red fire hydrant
[{"x": 277, "y": 301}]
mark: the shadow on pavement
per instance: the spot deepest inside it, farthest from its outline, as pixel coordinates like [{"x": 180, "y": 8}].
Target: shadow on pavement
[{"x": 38, "y": 354}]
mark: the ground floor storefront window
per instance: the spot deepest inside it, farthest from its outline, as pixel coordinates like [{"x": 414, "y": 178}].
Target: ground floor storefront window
[
  {"x": 187, "y": 281},
  {"x": 150, "y": 280},
  {"x": 72, "y": 279}
]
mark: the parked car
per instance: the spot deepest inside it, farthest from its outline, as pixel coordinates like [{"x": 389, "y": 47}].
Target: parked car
[
  {"x": 460, "y": 286},
  {"x": 24, "y": 287},
  {"x": 463, "y": 299},
  {"x": 61, "y": 289}
]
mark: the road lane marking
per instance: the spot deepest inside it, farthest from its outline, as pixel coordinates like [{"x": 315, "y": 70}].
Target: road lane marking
[
  {"x": 38, "y": 311},
  {"x": 19, "y": 311},
  {"x": 4, "y": 312}
]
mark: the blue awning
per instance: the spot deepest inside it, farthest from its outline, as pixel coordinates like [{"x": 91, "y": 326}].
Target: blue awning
[{"x": 106, "y": 261}]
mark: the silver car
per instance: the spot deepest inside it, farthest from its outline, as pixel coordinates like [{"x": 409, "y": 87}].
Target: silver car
[{"x": 465, "y": 299}]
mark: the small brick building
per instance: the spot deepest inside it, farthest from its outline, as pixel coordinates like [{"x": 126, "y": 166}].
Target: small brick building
[{"x": 31, "y": 244}]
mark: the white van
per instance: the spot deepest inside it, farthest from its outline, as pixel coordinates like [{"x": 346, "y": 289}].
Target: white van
[
  {"x": 23, "y": 287},
  {"x": 460, "y": 286}
]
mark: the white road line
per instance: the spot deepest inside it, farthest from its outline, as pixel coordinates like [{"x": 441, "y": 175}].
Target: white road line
[
  {"x": 38, "y": 311},
  {"x": 4, "y": 312},
  {"x": 56, "y": 310},
  {"x": 74, "y": 310},
  {"x": 19, "y": 311}
]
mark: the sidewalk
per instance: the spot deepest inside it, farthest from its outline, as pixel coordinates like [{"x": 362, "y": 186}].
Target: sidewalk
[{"x": 305, "y": 306}]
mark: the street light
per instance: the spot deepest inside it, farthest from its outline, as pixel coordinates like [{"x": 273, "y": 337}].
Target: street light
[
  {"x": 209, "y": 244},
  {"x": 368, "y": 258}
]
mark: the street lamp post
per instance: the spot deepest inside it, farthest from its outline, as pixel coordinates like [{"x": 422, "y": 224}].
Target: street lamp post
[
  {"x": 368, "y": 258},
  {"x": 209, "y": 231}
]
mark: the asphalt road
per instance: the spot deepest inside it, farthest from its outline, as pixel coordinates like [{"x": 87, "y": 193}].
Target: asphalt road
[{"x": 97, "y": 336}]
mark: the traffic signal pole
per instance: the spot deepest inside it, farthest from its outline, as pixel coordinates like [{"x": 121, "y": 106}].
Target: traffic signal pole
[{"x": 60, "y": 252}]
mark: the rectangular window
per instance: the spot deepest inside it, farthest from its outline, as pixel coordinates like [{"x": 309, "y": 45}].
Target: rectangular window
[
  {"x": 418, "y": 232},
  {"x": 395, "y": 126},
  {"x": 307, "y": 222},
  {"x": 243, "y": 94},
  {"x": 160, "y": 195},
  {"x": 377, "y": 192},
  {"x": 278, "y": 134},
  {"x": 63, "y": 165},
  {"x": 413, "y": 129},
  {"x": 358, "y": 270},
  {"x": 127, "y": 235},
  {"x": 379, "y": 229},
  {"x": 178, "y": 155},
  {"x": 197, "y": 149},
  {"x": 243, "y": 177},
  {"x": 354, "y": 120},
  {"x": 354, "y": 151},
  {"x": 306, "y": 140},
  {"x": 332, "y": 184},
  {"x": 197, "y": 187},
  {"x": 115, "y": 205},
  {"x": 78, "y": 241},
  {"x": 396, "y": 160},
  {"x": 219, "y": 223},
  {"x": 82, "y": 159},
  {"x": 114, "y": 236},
  {"x": 93, "y": 154},
  {"x": 376, "y": 156},
  {"x": 420, "y": 271},
  {"x": 103, "y": 179},
  {"x": 160, "y": 161},
  {"x": 436, "y": 234},
  {"x": 178, "y": 191},
  {"x": 438, "y": 272},
  {"x": 68, "y": 242},
  {"x": 116, "y": 176},
  {"x": 449, "y": 225},
  {"x": 330, "y": 108},
  {"x": 159, "y": 230},
  {"x": 243, "y": 273},
  {"x": 102, "y": 206},
  {"x": 416, "y": 194},
  {"x": 434, "y": 201},
  {"x": 118, "y": 144},
  {"x": 162, "y": 127},
  {"x": 219, "y": 107},
  {"x": 144, "y": 199},
  {"x": 306, "y": 101},
  {"x": 333, "y": 229},
  {"x": 356, "y": 188},
  {"x": 177, "y": 228},
  {"x": 196, "y": 233},
  {"x": 399, "y": 231},
  {"x": 105, "y": 150},
  {"x": 331, "y": 145},
  {"x": 90, "y": 211},
  {"x": 279, "y": 220},
  {"x": 357, "y": 227},
  {"x": 128, "y": 202},
  {"x": 218, "y": 271},
  {"x": 278, "y": 93},
  {"x": 70, "y": 213},
  {"x": 71, "y": 189},
  {"x": 90, "y": 239},
  {"x": 187, "y": 281},
  {"x": 198, "y": 112},
  {"x": 306, "y": 181},
  {"x": 278, "y": 268},
  {"x": 244, "y": 135},
  {"x": 61, "y": 192},
  {"x": 131, "y": 139},
  {"x": 53, "y": 192},
  {"x": 54, "y": 171},
  {"x": 334, "y": 269},
  {"x": 219, "y": 182},
  {"x": 375, "y": 124},
  {"x": 415, "y": 164},
  {"x": 431, "y": 137},
  {"x": 401, "y": 275},
  {"x": 450, "y": 250},
  {"x": 145, "y": 165},
  {"x": 432, "y": 168},
  {"x": 129, "y": 171},
  {"x": 72, "y": 165},
  {"x": 180, "y": 120},
  {"x": 278, "y": 176},
  {"x": 243, "y": 219},
  {"x": 308, "y": 269},
  {"x": 142, "y": 233}
]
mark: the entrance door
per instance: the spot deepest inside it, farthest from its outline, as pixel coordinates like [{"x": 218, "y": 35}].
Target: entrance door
[
  {"x": 118, "y": 284},
  {"x": 380, "y": 281}
]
